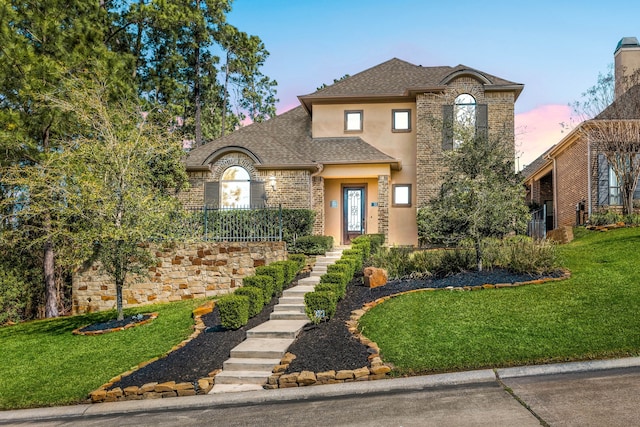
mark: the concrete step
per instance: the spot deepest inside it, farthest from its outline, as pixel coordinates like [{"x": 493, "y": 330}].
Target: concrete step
[
  {"x": 297, "y": 291},
  {"x": 288, "y": 315},
  {"x": 234, "y": 388},
  {"x": 318, "y": 273},
  {"x": 261, "y": 348},
  {"x": 289, "y": 301},
  {"x": 277, "y": 329},
  {"x": 296, "y": 307},
  {"x": 324, "y": 263},
  {"x": 242, "y": 377},
  {"x": 309, "y": 281},
  {"x": 254, "y": 364}
]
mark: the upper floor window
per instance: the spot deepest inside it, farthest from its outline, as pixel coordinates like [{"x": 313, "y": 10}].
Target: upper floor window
[
  {"x": 464, "y": 116},
  {"x": 353, "y": 121},
  {"x": 464, "y": 120},
  {"x": 401, "y": 120}
]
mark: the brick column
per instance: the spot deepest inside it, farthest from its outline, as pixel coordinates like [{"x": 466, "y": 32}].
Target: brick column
[
  {"x": 383, "y": 206},
  {"x": 317, "y": 204}
]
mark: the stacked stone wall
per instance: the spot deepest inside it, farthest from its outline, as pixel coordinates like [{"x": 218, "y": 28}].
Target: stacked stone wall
[{"x": 183, "y": 271}]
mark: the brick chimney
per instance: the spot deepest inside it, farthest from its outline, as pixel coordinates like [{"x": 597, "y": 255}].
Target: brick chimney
[{"x": 627, "y": 62}]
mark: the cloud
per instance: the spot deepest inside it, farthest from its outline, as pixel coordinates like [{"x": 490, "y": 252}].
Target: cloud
[{"x": 538, "y": 129}]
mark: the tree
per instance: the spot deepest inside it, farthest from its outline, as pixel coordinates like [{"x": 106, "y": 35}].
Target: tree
[
  {"x": 40, "y": 44},
  {"x": 126, "y": 162},
  {"x": 612, "y": 127},
  {"x": 481, "y": 196}
]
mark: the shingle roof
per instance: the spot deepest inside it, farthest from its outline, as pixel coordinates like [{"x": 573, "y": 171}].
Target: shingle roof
[
  {"x": 535, "y": 165},
  {"x": 397, "y": 77},
  {"x": 285, "y": 140},
  {"x": 626, "y": 107}
]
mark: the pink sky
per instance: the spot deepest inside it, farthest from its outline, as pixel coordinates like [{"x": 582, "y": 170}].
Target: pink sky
[{"x": 539, "y": 129}]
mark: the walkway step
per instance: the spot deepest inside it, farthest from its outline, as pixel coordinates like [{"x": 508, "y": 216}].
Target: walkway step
[
  {"x": 295, "y": 300},
  {"x": 297, "y": 307},
  {"x": 288, "y": 315},
  {"x": 234, "y": 388},
  {"x": 298, "y": 291},
  {"x": 253, "y": 364},
  {"x": 242, "y": 377},
  {"x": 308, "y": 281},
  {"x": 277, "y": 329},
  {"x": 261, "y": 348}
]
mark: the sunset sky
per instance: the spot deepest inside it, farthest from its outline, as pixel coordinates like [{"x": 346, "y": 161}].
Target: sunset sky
[{"x": 555, "y": 48}]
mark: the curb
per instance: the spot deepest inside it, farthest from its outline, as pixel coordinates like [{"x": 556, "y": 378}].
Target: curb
[{"x": 396, "y": 385}]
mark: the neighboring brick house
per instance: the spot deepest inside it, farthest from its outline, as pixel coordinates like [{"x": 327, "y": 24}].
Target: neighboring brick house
[
  {"x": 363, "y": 153},
  {"x": 572, "y": 179}
]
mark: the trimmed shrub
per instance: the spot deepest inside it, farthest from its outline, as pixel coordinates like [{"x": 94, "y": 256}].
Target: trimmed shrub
[
  {"x": 275, "y": 271},
  {"x": 376, "y": 240},
  {"x": 357, "y": 260},
  {"x": 234, "y": 311},
  {"x": 337, "y": 279},
  {"x": 263, "y": 282},
  {"x": 349, "y": 262},
  {"x": 320, "y": 305},
  {"x": 364, "y": 244},
  {"x": 255, "y": 297},
  {"x": 344, "y": 269},
  {"x": 335, "y": 288},
  {"x": 289, "y": 269},
  {"x": 300, "y": 259},
  {"x": 296, "y": 223},
  {"x": 312, "y": 245}
]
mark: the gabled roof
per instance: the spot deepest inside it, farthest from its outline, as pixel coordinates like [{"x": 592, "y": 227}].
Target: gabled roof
[
  {"x": 401, "y": 79},
  {"x": 285, "y": 142},
  {"x": 626, "y": 107}
]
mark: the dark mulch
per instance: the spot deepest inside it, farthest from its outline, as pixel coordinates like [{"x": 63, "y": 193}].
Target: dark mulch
[
  {"x": 323, "y": 347},
  {"x": 114, "y": 324}
]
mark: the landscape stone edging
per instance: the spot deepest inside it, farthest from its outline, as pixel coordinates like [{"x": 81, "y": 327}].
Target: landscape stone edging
[
  {"x": 378, "y": 369},
  {"x": 78, "y": 331},
  {"x": 159, "y": 390}
]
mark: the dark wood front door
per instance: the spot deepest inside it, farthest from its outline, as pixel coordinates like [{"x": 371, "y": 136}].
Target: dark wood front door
[{"x": 353, "y": 217}]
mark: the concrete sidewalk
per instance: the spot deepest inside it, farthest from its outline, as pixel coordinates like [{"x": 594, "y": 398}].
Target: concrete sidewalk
[{"x": 313, "y": 393}]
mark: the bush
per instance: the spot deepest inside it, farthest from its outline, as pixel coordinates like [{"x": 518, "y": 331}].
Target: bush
[
  {"x": 275, "y": 271},
  {"x": 344, "y": 269},
  {"x": 605, "y": 217},
  {"x": 263, "y": 282},
  {"x": 337, "y": 289},
  {"x": 396, "y": 260},
  {"x": 364, "y": 245},
  {"x": 289, "y": 269},
  {"x": 13, "y": 297},
  {"x": 532, "y": 257},
  {"x": 255, "y": 297},
  {"x": 234, "y": 311},
  {"x": 313, "y": 245},
  {"x": 338, "y": 279},
  {"x": 297, "y": 223},
  {"x": 356, "y": 259},
  {"x": 320, "y": 305},
  {"x": 349, "y": 262},
  {"x": 456, "y": 260},
  {"x": 300, "y": 259},
  {"x": 376, "y": 240}
]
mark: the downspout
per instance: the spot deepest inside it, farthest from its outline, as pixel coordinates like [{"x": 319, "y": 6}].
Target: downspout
[
  {"x": 589, "y": 189},
  {"x": 555, "y": 195}
]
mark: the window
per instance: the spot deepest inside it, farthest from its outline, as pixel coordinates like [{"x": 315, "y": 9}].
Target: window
[
  {"x": 464, "y": 115},
  {"x": 353, "y": 121},
  {"x": 401, "y": 195},
  {"x": 615, "y": 198},
  {"x": 401, "y": 120},
  {"x": 463, "y": 120},
  {"x": 235, "y": 188}
]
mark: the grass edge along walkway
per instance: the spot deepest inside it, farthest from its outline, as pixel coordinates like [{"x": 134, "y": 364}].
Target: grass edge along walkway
[
  {"x": 44, "y": 364},
  {"x": 591, "y": 315}
]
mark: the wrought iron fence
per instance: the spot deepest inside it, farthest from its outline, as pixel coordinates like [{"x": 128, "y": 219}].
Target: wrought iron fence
[
  {"x": 537, "y": 227},
  {"x": 229, "y": 224}
]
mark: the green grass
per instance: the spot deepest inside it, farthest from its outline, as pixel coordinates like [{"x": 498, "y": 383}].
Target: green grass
[
  {"x": 594, "y": 314},
  {"x": 44, "y": 364}
]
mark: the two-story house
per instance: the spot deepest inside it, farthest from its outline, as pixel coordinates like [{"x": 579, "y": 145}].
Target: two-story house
[{"x": 363, "y": 153}]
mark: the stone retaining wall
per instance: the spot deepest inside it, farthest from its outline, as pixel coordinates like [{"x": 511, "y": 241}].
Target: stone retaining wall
[{"x": 183, "y": 271}]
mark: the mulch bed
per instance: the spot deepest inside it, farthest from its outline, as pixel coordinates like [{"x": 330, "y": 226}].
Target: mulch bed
[{"x": 318, "y": 348}]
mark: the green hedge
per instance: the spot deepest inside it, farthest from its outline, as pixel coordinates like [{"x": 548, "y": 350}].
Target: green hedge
[
  {"x": 344, "y": 269},
  {"x": 300, "y": 259},
  {"x": 234, "y": 311},
  {"x": 297, "y": 223},
  {"x": 255, "y": 296},
  {"x": 263, "y": 282},
  {"x": 312, "y": 245},
  {"x": 349, "y": 262},
  {"x": 289, "y": 269},
  {"x": 363, "y": 244},
  {"x": 356, "y": 259},
  {"x": 275, "y": 271},
  {"x": 320, "y": 305}
]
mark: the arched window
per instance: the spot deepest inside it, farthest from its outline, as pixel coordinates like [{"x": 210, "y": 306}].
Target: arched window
[
  {"x": 464, "y": 115},
  {"x": 235, "y": 188}
]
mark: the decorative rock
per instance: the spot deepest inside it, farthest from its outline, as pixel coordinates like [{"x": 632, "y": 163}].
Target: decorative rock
[
  {"x": 307, "y": 378},
  {"x": 183, "y": 386},
  {"x": 326, "y": 376},
  {"x": 191, "y": 392},
  {"x": 204, "y": 385},
  {"x": 287, "y": 358},
  {"x": 288, "y": 379},
  {"x": 128, "y": 391},
  {"x": 148, "y": 387},
  {"x": 164, "y": 387},
  {"x": 98, "y": 396},
  {"x": 380, "y": 369},
  {"x": 361, "y": 372},
  {"x": 374, "y": 277},
  {"x": 344, "y": 375}
]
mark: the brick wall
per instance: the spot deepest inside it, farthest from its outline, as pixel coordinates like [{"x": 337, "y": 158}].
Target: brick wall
[
  {"x": 383, "y": 205},
  {"x": 571, "y": 181},
  {"x": 184, "y": 271},
  {"x": 429, "y": 129}
]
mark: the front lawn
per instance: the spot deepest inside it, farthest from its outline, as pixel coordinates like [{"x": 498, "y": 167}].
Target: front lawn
[
  {"x": 44, "y": 364},
  {"x": 594, "y": 314}
]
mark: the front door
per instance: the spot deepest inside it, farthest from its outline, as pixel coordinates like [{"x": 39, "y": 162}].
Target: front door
[{"x": 354, "y": 213}]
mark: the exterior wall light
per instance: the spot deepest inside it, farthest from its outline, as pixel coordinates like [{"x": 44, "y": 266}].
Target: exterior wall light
[{"x": 272, "y": 182}]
